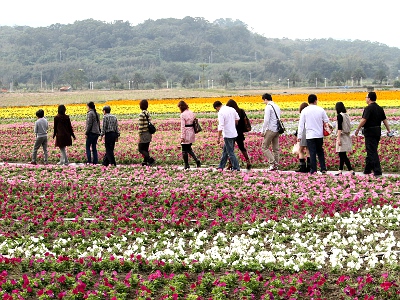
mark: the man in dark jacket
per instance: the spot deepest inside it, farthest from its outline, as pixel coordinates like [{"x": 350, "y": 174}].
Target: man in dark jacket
[{"x": 371, "y": 121}]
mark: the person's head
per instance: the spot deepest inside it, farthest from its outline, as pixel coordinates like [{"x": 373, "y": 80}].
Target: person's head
[
  {"x": 303, "y": 106},
  {"x": 340, "y": 108},
  {"x": 312, "y": 99},
  {"x": 232, "y": 103},
  {"x": 266, "y": 97},
  {"x": 371, "y": 96},
  {"x": 40, "y": 113},
  {"x": 61, "y": 109},
  {"x": 91, "y": 105},
  {"x": 144, "y": 104},
  {"x": 182, "y": 106},
  {"x": 217, "y": 105},
  {"x": 106, "y": 109}
]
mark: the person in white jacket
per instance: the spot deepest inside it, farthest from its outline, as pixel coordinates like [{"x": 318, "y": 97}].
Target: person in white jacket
[{"x": 312, "y": 119}]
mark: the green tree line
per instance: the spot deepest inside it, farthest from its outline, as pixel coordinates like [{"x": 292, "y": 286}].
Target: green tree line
[{"x": 188, "y": 52}]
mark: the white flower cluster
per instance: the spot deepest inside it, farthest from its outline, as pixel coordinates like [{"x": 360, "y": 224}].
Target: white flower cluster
[{"x": 361, "y": 240}]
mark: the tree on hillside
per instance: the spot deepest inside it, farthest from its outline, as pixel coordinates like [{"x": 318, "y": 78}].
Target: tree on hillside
[
  {"x": 226, "y": 79},
  {"x": 358, "y": 74},
  {"x": 137, "y": 79},
  {"x": 159, "y": 80},
  {"x": 338, "y": 77},
  {"x": 114, "y": 80},
  {"x": 75, "y": 78},
  {"x": 380, "y": 75},
  {"x": 188, "y": 79}
]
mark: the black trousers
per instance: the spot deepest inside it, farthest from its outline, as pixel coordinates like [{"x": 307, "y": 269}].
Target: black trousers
[
  {"x": 109, "y": 141},
  {"x": 372, "y": 162}
]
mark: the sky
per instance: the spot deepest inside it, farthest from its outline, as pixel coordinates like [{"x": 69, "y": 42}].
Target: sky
[{"x": 294, "y": 19}]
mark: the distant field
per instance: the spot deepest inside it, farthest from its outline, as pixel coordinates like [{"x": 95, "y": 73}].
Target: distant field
[{"x": 46, "y": 98}]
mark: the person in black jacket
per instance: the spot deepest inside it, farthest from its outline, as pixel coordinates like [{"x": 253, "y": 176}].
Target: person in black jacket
[
  {"x": 240, "y": 128},
  {"x": 372, "y": 118}
]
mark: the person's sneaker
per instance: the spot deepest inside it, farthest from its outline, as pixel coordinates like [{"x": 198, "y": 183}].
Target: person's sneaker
[
  {"x": 323, "y": 172},
  {"x": 33, "y": 163},
  {"x": 144, "y": 164},
  {"x": 198, "y": 164},
  {"x": 338, "y": 173},
  {"x": 377, "y": 175},
  {"x": 272, "y": 168}
]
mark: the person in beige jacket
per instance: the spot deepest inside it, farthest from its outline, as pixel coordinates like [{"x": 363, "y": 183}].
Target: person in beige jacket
[{"x": 343, "y": 139}]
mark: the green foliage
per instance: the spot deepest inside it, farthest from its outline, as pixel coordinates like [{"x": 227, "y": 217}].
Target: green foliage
[{"x": 151, "y": 53}]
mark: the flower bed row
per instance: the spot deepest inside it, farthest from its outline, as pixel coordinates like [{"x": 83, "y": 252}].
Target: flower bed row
[{"x": 161, "y": 233}]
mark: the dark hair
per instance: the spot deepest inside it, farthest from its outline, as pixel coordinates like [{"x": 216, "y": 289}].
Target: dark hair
[
  {"x": 232, "y": 103},
  {"x": 107, "y": 109},
  {"x": 267, "y": 96},
  {"x": 92, "y": 106},
  {"x": 303, "y": 106},
  {"x": 183, "y": 106},
  {"x": 217, "y": 104},
  {"x": 312, "y": 98},
  {"x": 144, "y": 104},
  {"x": 40, "y": 113},
  {"x": 372, "y": 96},
  {"x": 62, "y": 109},
  {"x": 340, "y": 108}
]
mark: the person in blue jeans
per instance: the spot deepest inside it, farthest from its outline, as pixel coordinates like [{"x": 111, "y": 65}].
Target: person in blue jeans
[
  {"x": 227, "y": 121},
  {"x": 312, "y": 119}
]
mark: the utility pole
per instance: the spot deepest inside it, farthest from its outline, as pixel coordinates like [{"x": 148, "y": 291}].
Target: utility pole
[{"x": 203, "y": 66}]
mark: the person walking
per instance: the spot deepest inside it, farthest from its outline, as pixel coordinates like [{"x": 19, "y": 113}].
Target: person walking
[
  {"x": 63, "y": 132},
  {"x": 372, "y": 118},
  {"x": 111, "y": 134},
  {"x": 227, "y": 121},
  {"x": 41, "y": 127},
  {"x": 240, "y": 128},
  {"x": 188, "y": 136},
  {"x": 303, "y": 153},
  {"x": 145, "y": 136},
  {"x": 92, "y": 133},
  {"x": 343, "y": 139},
  {"x": 312, "y": 119},
  {"x": 270, "y": 132}
]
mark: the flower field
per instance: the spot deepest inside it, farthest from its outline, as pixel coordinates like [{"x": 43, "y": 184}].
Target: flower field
[{"x": 132, "y": 232}]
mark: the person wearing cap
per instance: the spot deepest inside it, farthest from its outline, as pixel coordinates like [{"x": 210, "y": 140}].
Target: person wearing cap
[
  {"x": 270, "y": 132},
  {"x": 111, "y": 133},
  {"x": 372, "y": 118}
]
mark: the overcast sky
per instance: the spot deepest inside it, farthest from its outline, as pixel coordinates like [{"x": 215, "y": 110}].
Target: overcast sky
[{"x": 373, "y": 21}]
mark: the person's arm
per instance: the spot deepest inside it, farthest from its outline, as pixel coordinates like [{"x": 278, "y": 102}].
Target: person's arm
[
  {"x": 339, "y": 128},
  {"x": 183, "y": 123},
  {"x": 300, "y": 128},
  {"x": 362, "y": 123},
  {"x": 89, "y": 123},
  {"x": 55, "y": 127},
  {"x": 386, "y": 123},
  {"x": 220, "y": 126},
  {"x": 267, "y": 113}
]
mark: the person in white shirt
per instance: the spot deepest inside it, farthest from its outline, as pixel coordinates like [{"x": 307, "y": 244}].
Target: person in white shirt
[
  {"x": 312, "y": 119},
  {"x": 227, "y": 120},
  {"x": 270, "y": 132}
]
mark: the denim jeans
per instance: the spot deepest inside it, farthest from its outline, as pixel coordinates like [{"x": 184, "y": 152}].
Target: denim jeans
[
  {"x": 315, "y": 148},
  {"x": 228, "y": 151},
  {"x": 91, "y": 142}
]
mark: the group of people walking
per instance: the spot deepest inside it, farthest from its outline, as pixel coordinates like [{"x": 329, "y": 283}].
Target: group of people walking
[
  {"x": 310, "y": 134},
  {"x": 64, "y": 133},
  {"x": 231, "y": 127}
]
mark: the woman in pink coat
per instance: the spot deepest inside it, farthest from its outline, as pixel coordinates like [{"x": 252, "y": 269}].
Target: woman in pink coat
[{"x": 187, "y": 134}]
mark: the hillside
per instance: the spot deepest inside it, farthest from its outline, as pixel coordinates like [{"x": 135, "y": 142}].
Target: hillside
[{"x": 189, "y": 52}]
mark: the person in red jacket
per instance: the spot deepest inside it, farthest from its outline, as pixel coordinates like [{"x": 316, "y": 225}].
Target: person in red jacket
[{"x": 63, "y": 133}]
